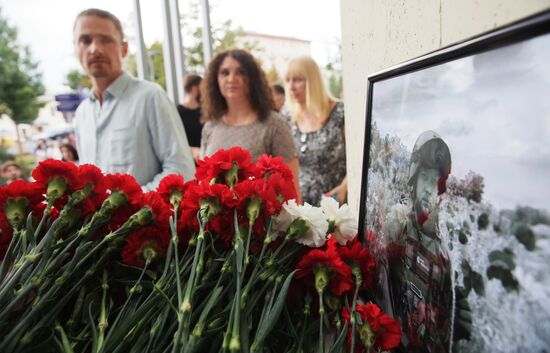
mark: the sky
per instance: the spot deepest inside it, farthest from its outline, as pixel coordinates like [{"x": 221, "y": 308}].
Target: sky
[
  {"x": 491, "y": 109},
  {"x": 46, "y": 26}
]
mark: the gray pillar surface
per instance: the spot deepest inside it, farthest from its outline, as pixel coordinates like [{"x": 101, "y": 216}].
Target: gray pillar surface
[
  {"x": 179, "y": 57},
  {"x": 141, "y": 51},
  {"x": 206, "y": 32},
  {"x": 168, "y": 51}
]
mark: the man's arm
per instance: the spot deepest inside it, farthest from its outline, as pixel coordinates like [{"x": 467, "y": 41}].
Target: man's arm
[{"x": 169, "y": 140}]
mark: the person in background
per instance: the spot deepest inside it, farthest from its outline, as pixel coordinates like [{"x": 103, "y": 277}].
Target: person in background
[
  {"x": 68, "y": 153},
  {"x": 41, "y": 151},
  {"x": 190, "y": 113},
  {"x": 317, "y": 123},
  {"x": 126, "y": 125},
  {"x": 278, "y": 92},
  {"x": 238, "y": 109},
  {"x": 11, "y": 171}
]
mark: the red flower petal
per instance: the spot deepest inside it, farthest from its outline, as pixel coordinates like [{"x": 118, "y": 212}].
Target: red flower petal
[
  {"x": 51, "y": 168},
  {"x": 269, "y": 165},
  {"x": 133, "y": 251},
  {"x": 215, "y": 167}
]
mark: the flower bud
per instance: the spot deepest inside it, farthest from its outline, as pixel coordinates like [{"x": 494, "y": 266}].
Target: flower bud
[
  {"x": 209, "y": 208},
  {"x": 321, "y": 279},
  {"x": 15, "y": 210},
  {"x": 297, "y": 228},
  {"x": 56, "y": 188}
]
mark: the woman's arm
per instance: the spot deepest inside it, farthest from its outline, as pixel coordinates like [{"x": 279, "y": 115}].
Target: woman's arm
[{"x": 340, "y": 192}]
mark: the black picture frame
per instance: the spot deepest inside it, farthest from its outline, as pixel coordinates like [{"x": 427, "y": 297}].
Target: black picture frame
[{"x": 524, "y": 30}]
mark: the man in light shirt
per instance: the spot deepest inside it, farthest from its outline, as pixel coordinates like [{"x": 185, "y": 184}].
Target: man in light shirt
[{"x": 126, "y": 125}]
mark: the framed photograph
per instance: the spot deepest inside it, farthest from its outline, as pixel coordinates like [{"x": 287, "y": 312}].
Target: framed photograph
[{"x": 455, "y": 193}]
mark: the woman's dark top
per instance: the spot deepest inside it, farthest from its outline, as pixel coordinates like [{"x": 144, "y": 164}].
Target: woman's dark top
[
  {"x": 191, "y": 119},
  {"x": 322, "y": 156}
]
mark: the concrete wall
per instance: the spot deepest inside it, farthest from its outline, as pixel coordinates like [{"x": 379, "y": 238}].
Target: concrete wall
[{"x": 377, "y": 34}]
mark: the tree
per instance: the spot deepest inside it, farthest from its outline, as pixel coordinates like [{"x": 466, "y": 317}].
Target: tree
[
  {"x": 334, "y": 72},
  {"x": 20, "y": 80},
  {"x": 76, "y": 79}
]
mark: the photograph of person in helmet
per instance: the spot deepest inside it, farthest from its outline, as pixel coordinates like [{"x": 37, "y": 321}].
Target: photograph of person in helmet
[{"x": 420, "y": 287}]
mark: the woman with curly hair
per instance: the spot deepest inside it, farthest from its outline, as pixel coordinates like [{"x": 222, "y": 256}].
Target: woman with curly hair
[{"x": 238, "y": 110}]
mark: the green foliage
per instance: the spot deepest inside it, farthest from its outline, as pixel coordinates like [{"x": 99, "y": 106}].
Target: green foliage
[
  {"x": 20, "y": 80},
  {"x": 334, "y": 73},
  {"x": 224, "y": 36},
  {"x": 75, "y": 78}
]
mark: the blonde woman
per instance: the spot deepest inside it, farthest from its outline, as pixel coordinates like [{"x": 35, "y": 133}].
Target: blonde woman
[{"x": 317, "y": 125}]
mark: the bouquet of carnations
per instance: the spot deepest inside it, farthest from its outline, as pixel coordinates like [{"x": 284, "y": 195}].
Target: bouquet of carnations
[{"x": 228, "y": 262}]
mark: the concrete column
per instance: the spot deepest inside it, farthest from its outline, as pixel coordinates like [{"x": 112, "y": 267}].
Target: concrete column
[
  {"x": 141, "y": 51},
  {"x": 206, "y": 32}
]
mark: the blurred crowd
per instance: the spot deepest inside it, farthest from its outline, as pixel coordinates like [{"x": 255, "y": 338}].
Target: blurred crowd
[{"x": 139, "y": 131}]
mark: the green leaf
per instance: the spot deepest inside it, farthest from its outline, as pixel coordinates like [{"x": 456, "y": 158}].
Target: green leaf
[
  {"x": 268, "y": 324},
  {"x": 338, "y": 344}
]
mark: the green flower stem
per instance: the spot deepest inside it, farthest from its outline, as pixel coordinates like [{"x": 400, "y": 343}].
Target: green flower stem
[
  {"x": 276, "y": 252},
  {"x": 103, "y": 323},
  {"x": 11, "y": 252},
  {"x": 159, "y": 323},
  {"x": 257, "y": 296},
  {"x": 184, "y": 307},
  {"x": 307, "y": 311},
  {"x": 247, "y": 248},
  {"x": 11, "y": 340},
  {"x": 76, "y": 309},
  {"x": 121, "y": 313},
  {"x": 65, "y": 344},
  {"x": 25, "y": 261},
  {"x": 234, "y": 343},
  {"x": 45, "y": 215},
  {"x": 353, "y": 319},
  {"x": 21, "y": 295},
  {"x": 228, "y": 330},
  {"x": 321, "y": 322}
]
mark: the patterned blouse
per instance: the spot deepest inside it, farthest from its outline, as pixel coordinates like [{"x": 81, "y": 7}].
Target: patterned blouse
[{"x": 322, "y": 156}]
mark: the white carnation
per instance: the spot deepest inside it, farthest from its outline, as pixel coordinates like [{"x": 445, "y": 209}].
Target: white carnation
[
  {"x": 314, "y": 218},
  {"x": 344, "y": 220}
]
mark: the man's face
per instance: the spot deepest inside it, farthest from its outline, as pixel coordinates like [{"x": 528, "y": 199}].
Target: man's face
[
  {"x": 279, "y": 100},
  {"x": 99, "y": 47},
  {"x": 12, "y": 173},
  {"x": 425, "y": 199}
]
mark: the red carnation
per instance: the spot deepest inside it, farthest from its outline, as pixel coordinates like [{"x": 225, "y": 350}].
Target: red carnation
[
  {"x": 89, "y": 174},
  {"x": 123, "y": 183},
  {"x": 147, "y": 242},
  {"x": 161, "y": 210},
  {"x": 5, "y": 235},
  {"x": 33, "y": 192},
  {"x": 172, "y": 188},
  {"x": 249, "y": 189},
  {"x": 358, "y": 259},
  {"x": 339, "y": 274},
  {"x": 18, "y": 198},
  {"x": 269, "y": 165},
  {"x": 215, "y": 202},
  {"x": 53, "y": 168},
  {"x": 226, "y": 167},
  {"x": 285, "y": 189},
  {"x": 378, "y": 332}
]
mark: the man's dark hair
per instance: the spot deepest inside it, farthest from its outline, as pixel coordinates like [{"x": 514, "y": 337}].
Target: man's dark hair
[
  {"x": 190, "y": 82},
  {"x": 101, "y": 14},
  {"x": 279, "y": 89},
  {"x": 214, "y": 104}
]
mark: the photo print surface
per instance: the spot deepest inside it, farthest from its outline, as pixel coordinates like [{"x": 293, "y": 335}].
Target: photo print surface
[{"x": 457, "y": 197}]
